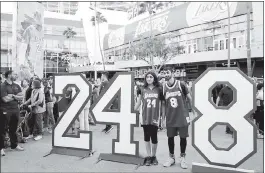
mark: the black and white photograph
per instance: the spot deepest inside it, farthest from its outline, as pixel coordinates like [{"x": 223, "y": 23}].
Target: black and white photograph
[{"x": 132, "y": 86}]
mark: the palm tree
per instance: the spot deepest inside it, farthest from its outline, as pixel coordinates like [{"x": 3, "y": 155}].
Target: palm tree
[
  {"x": 69, "y": 33},
  {"x": 99, "y": 18},
  {"x": 96, "y": 20}
]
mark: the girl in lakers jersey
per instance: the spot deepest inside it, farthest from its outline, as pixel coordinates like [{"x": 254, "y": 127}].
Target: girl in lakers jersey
[{"x": 150, "y": 96}]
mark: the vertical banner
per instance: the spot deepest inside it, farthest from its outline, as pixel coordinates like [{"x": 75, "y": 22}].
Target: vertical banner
[{"x": 27, "y": 56}]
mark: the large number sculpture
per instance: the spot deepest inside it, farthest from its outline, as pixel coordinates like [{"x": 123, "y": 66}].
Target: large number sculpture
[
  {"x": 126, "y": 150},
  {"x": 235, "y": 115},
  {"x": 63, "y": 143}
]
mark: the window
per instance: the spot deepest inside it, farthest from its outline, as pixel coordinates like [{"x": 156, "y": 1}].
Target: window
[
  {"x": 49, "y": 43},
  {"x": 199, "y": 43},
  {"x": 208, "y": 43},
  {"x": 53, "y": 6},
  {"x": 189, "y": 49},
  {"x": 194, "y": 48},
  {"x": 222, "y": 45},
  {"x": 234, "y": 43},
  {"x": 216, "y": 45},
  {"x": 241, "y": 42}
]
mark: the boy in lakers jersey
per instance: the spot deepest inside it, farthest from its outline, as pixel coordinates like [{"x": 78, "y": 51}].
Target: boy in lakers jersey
[{"x": 177, "y": 115}]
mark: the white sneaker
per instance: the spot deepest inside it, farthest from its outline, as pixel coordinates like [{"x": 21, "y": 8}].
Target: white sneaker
[
  {"x": 183, "y": 163},
  {"x": 50, "y": 131},
  {"x": 38, "y": 137},
  {"x": 260, "y": 136},
  {"x": 29, "y": 137},
  {"x": 3, "y": 152},
  {"x": 169, "y": 162},
  {"x": 45, "y": 129},
  {"x": 18, "y": 148}
]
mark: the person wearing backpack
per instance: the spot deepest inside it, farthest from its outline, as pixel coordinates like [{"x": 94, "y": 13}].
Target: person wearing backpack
[{"x": 37, "y": 105}]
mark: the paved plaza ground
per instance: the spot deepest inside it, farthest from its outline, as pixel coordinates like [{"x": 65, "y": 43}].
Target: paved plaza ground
[{"x": 32, "y": 160}]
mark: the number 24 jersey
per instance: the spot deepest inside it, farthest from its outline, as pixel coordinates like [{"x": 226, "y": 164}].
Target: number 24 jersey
[
  {"x": 176, "y": 110},
  {"x": 150, "y": 105}
]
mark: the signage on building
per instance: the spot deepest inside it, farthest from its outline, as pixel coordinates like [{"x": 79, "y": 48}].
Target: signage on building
[
  {"x": 159, "y": 23},
  {"x": 202, "y": 12},
  {"x": 181, "y": 16},
  {"x": 141, "y": 73}
]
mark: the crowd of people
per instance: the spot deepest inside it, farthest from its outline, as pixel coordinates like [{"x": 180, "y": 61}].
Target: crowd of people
[
  {"x": 164, "y": 103},
  {"x": 30, "y": 108}
]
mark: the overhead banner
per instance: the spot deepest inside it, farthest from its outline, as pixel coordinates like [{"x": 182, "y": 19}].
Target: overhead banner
[
  {"x": 182, "y": 16},
  {"x": 27, "y": 53}
]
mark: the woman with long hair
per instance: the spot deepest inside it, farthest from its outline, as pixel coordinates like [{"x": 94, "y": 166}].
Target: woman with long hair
[{"x": 150, "y": 96}]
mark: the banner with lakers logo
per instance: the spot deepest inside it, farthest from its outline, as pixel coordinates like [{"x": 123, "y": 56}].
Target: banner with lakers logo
[{"x": 27, "y": 54}]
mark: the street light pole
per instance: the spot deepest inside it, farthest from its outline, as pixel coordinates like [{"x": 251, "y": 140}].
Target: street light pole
[
  {"x": 248, "y": 41},
  {"x": 228, "y": 11}
]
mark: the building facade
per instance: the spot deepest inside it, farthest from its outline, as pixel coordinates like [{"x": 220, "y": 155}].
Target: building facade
[
  {"x": 202, "y": 29},
  {"x": 60, "y": 52}
]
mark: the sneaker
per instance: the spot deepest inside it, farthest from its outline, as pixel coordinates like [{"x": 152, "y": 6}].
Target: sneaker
[
  {"x": 169, "y": 162},
  {"x": 148, "y": 161},
  {"x": 154, "y": 160},
  {"x": 29, "y": 137},
  {"x": 45, "y": 129},
  {"x": 109, "y": 129},
  {"x": 260, "y": 136},
  {"x": 18, "y": 148},
  {"x": 3, "y": 152},
  {"x": 38, "y": 137},
  {"x": 183, "y": 163}
]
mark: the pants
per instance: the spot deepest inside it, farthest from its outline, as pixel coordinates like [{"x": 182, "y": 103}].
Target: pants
[
  {"x": 11, "y": 119},
  {"x": 48, "y": 116},
  {"x": 31, "y": 123},
  {"x": 259, "y": 116},
  {"x": 37, "y": 127},
  {"x": 55, "y": 111}
]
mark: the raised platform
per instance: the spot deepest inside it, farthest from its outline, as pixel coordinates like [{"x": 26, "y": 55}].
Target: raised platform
[
  {"x": 205, "y": 168},
  {"x": 71, "y": 152},
  {"x": 122, "y": 159}
]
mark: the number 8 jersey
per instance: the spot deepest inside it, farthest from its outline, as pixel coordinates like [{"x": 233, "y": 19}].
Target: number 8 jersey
[
  {"x": 150, "y": 105},
  {"x": 176, "y": 110}
]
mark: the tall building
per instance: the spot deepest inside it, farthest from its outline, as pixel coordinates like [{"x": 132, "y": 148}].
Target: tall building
[
  {"x": 61, "y": 18},
  {"x": 201, "y": 28}
]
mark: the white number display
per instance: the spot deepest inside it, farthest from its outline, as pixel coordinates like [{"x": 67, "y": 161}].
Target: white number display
[
  {"x": 84, "y": 138},
  {"x": 126, "y": 118},
  {"x": 235, "y": 115},
  {"x": 174, "y": 102},
  {"x": 150, "y": 103}
]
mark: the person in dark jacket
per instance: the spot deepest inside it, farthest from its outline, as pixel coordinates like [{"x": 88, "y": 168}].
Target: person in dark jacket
[{"x": 102, "y": 88}]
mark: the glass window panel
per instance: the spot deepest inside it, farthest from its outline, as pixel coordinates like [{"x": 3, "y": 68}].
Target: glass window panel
[
  {"x": 240, "y": 42},
  {"x": 234, "y": 43},
  {"x": 216, "y": 45},
  {"x": 221, "y": 44},
  {"x": 194, "y": 48}
]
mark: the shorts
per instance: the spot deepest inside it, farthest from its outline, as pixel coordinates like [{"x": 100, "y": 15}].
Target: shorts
[
  {"x": 183, "y": 132},
  {"x": 150, "y": 132}
]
